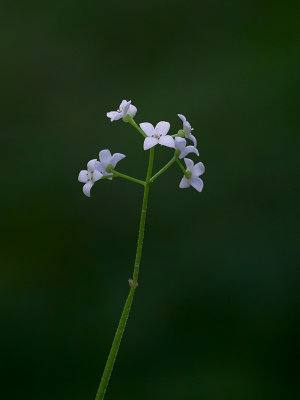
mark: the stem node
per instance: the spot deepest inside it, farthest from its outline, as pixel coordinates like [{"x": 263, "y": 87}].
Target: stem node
[{"x": 132, "y": 283}]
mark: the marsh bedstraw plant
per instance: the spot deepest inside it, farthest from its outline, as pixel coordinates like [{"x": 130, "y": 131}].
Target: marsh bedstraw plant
[{"x": 105, "y": 168}]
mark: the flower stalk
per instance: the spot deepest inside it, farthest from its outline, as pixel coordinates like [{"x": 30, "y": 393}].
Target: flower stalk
[
  {"x": 133, "y": 285},
  {"x": 129, "y": 178},
  {"x": 168, "y": 165},
  {"x": 182, "y": 168},
  {"x": 135, "y": 125}
]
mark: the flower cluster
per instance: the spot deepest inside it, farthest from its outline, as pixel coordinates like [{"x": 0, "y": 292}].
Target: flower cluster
[
  {"x": 98, "y": 169},
  {"x": 104, "y": 168}
]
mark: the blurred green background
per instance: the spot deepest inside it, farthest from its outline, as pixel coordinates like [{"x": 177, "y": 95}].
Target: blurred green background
[{"x": 214, "y": 316}]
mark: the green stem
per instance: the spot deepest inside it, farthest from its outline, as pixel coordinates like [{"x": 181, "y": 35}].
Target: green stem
[
  {"x": 143, "y": 219},
  {"x": 182, "y": 168},
  {"x": 118, "y": 174},
  {"x": 133, "y": 285},
  {"x": 168, "y": 165},
  {"x": 133, "y": 123}
]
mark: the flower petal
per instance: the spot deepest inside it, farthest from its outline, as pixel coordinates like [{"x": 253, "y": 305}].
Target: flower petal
[
  {"x": 188, "y": 150},
  {"x": 197, "y": 183},
  {"x": 114, "y": 115},
  {"x": 189, "y": 164},
  {"x": 83, "y": 176},
  {"x": 101, "y": 168},
  {"x": 97, "y": 175},
  {"x": 192, "y": 138},
  {"x": 198, "y": 169},
  {"x": 87, "y": 189},
  {"x": 167, "y": 141},
  {"x": 105, "y": 157},
  {"x": 92, "y": 164},
  {"x": 123, "y": 104},
  {"x": 147, "y": 128},
  {"x": 116, "y": 158},
  {"x": 180, "y": 143},
  {"x": 162, "y": 127},
  {"x": 187, "y": 128},
  {"x": 124, "y": 107},
  {"x": 184, "y": 183},
  {"x": 132, "y": 110},
  {"x": 150, "y": 142},
  {"x": 182, "y": 117}
]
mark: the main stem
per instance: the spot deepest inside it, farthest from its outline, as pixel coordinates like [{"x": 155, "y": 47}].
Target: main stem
[{"x": 133, "y": 285}]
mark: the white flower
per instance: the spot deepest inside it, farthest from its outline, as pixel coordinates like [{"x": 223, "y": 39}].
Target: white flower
[
  {"x": 157, "y": 135},
  {"x": 107, "y": 159},
  {"x": 90, "y": 176},
  {"x": 187, "y": 129},
  {"x": 125, "y": 108},
  {"x": 180, "y": 144},
  {"x": 195, "y": 171}
]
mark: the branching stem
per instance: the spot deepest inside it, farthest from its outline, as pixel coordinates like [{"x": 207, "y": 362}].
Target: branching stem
[
  {"x": 118, "y": 174},
  {"x": 168, "y": 165},
  {"x": 135, "y": 125},
  {"x": 182, "y": 168}
]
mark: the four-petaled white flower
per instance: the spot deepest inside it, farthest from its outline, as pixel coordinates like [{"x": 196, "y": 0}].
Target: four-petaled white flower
[
  {"x": 90, "y": 176},
  {"x": 187, "y": 129},
  {"x": 107, "y": 159},
  {"x": 180, "y": 144},
  {"x": 125, "y": 108},
  {"x": 157, "y": 135},
  {"x": 194, "y": 171}
]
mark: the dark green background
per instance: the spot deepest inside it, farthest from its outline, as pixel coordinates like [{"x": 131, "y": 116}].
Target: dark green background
[{"x": 215, "y": 313}]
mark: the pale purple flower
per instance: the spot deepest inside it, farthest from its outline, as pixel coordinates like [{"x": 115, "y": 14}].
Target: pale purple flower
[
  {"x": 180, "y": 144},
  {"x": 157, "y": 135},
  {"x": 125, "y": 108},
  {"x": 107, "y": 159},
  {"x": 90, "y": 176},
  {"x": 187, "y": 129},
  {"x": 195, "y": 171}
]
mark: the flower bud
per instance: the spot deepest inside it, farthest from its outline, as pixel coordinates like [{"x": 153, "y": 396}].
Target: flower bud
[{"x": 181, "y": 133}]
